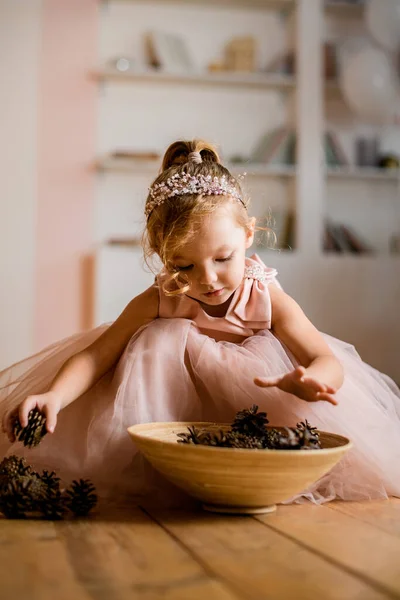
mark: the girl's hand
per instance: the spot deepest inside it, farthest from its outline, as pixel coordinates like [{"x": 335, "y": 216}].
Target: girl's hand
[
  {"x": 296, "y": 382},
  {"x": 49, "y": 404}
]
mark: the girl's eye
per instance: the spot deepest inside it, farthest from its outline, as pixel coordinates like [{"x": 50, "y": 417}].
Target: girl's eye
[
  {"x": 188, "y": 267},
  {"x": 225, "y": 259}
]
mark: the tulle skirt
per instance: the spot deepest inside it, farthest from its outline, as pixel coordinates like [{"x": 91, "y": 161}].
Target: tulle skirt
[{"x": 170, "y": 371}]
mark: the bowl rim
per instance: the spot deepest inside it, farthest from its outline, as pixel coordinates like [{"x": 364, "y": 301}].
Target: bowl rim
[{"x": 134, "y": 431}]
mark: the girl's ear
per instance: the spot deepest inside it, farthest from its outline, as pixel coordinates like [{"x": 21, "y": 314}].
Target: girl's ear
[{"x": 250, "y": 231}]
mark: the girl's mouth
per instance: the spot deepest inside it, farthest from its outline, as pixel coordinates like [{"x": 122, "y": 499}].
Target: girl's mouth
[{"x": 214, "y": 293}]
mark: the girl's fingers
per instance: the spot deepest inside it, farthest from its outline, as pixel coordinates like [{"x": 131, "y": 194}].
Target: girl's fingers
[
  {"x": 25, "y": 409},
  {"x": 327, "y": 398},
  {"x": 51, "y": 418},
  {"x": 267, "y": 381},
  {"x": 316, "y": 385},
  {"x": 299, "y": 371}
]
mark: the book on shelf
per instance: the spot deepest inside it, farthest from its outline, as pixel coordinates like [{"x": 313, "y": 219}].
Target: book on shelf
[
  {"x": 344, "y": 2},
  {"x": 335, "y": 148},
  {"x": 168, "y": 52},
  {"x": 278, "y": 147},
  {"x": 285, "y": 63},
  {"x": 342, "y": 238}
]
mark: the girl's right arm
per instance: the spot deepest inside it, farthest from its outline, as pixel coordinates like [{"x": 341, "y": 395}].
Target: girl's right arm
[{"x": 80, "y": 372}]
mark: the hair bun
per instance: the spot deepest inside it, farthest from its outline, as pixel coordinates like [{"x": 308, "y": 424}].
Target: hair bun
[
  {"x": 195, "y": 151},
  {"x": 195, "y": 157}
]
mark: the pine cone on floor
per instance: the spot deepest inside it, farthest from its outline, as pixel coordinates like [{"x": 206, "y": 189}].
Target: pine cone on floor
[
  {"x": 15, "y": 499},
  {"x": 25, "y": 493},
  {"x": 81, "y": 497},
  {"x": 50, "y": 479},
  {"x": 13, "y": 466},
  {"x": 32, "y": 434},
  {"x": 51, "y": 505}
]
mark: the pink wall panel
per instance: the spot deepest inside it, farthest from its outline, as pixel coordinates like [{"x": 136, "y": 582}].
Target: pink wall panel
[{"x": 67, "y": 137}]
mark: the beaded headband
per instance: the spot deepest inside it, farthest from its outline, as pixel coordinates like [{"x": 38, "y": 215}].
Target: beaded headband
[{"x": 181, "y": 184}]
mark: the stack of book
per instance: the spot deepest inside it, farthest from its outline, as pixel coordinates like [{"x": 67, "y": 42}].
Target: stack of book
[
  {"x": 342, "y": 238},
  {"x": 278, "y": 147}
]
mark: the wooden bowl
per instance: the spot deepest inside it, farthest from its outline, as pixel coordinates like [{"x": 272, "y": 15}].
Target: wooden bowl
[{"x": 235, "y": 480}]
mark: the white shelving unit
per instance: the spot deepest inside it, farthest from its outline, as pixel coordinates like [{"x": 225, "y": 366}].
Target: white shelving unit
[{"x": 330, "y": 287}]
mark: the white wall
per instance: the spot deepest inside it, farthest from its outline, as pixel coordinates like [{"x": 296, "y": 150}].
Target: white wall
[{"x": 19, "y": 49}]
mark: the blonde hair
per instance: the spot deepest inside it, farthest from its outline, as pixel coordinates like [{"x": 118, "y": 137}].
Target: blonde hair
[{"x": 173, "y": 223}]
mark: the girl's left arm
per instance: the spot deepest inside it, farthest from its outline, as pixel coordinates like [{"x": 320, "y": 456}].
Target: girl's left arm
[{"x": 320, "y": 374}]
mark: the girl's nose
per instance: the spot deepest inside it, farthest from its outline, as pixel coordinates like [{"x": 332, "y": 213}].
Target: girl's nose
[{"x": 207, "y": 276}]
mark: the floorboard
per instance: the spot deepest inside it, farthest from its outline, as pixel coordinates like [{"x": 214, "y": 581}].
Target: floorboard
[
  {"x": 354, "y": 545},
  {"x": 338, "y": 551},
  {"x": 262, "y": 563}
]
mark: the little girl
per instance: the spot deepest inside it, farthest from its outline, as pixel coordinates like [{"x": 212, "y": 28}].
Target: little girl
[{"x": 214, "y": 334}]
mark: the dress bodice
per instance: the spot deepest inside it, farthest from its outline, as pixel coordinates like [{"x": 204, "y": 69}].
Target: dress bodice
[{"x": 249, "y": 310}]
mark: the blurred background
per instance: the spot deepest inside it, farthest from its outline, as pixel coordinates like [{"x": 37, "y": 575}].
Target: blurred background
[{"x": 302, "y": 96}]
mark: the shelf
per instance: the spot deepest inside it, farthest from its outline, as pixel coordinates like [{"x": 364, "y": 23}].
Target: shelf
[
  {"x": 134, "y": 166},
  {"x": 128, "y": 165},
  {"x": 247, "y": 80},
  {"x": 364, "y": 173},
  {"x": 266, "y": 81},
  {"x": 343, "y": 9},
  {"x": 281, "y": 5}
]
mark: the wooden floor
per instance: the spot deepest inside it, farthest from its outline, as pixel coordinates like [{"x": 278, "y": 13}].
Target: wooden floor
[{"x": 336, "y": 551}]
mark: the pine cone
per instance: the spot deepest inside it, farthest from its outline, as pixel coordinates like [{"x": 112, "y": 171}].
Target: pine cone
[
  {"x": 13, "y": 466},
  {"x": 290, "y": 441},
  {"x": 272, "y": 439},
  {"x": 309, "y": 436},
  {"x": 195, "y": 436},
  {"x": 242, "y": 440},
  {"x": 217, "y": 439},
  {"x": 81, "y": 497},
  {"x": 15, "y": 499},
  {"x": 50, "y": 480},
  {"x": 52, "y": 505},
  {"x": 251, "y": 422},
  {"x": 32, "y": 434}
]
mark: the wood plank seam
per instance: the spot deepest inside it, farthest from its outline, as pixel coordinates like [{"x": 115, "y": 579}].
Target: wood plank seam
[
  {"x": 209, "y": 572},
  {"x": 375, "y": 523},
  {"x": 364, "y": 578}
]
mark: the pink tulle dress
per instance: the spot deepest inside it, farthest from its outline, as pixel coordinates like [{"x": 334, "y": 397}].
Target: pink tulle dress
[{"x": 189, "y": 366}]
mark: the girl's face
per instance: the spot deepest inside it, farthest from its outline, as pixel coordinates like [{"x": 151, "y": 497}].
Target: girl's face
[{"x": 213, "y": 261}]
